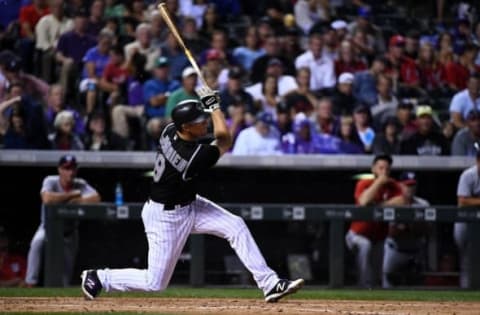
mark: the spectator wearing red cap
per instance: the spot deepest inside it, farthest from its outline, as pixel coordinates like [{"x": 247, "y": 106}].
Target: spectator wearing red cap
[
  {"x": 401, "y": 68},
  {"x": 218, "y": 41},
  {"x": 215, "y": 63}
]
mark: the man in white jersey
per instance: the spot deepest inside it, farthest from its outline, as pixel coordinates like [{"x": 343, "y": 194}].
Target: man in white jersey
[
  {"x": 57, "y": 189},
  {"x": 175, "y": 210}
]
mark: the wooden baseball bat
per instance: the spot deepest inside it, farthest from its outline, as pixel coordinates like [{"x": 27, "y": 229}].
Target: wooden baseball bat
[{"x": 166, "y": 17}]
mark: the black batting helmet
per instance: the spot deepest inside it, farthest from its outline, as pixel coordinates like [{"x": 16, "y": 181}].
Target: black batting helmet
[{"x": 188, "y": 111}]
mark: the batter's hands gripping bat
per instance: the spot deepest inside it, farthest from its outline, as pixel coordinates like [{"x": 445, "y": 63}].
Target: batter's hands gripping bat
[{"x": 166, "y": 17}]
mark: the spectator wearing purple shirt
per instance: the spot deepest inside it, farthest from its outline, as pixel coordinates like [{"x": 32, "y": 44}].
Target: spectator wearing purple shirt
[
  {"x": 71, "y": 48},
  {"x": 95, "y": 61},
  {"x": 300, "y": 141}
]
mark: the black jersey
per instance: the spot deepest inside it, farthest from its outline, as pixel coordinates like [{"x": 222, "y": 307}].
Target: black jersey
[{"x": 177, "y": 166}]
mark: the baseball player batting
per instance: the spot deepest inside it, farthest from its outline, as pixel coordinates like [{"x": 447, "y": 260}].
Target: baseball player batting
[{"x": 175, "y": 210}]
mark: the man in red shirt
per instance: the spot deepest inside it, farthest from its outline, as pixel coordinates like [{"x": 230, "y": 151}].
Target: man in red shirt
[
  {"x": 30, "y": 15},
  {"x": 28, "y": 18},
  {"x": 457, "y": 72},
  {"x": 115, "y": 75},
  {"x": 366, "y": 238},
  {"x": 402, "y": 68},
  {"x": 12, "y": 267}
]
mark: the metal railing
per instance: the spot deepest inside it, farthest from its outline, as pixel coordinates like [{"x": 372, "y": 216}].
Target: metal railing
[
  {"x": 336, "y": 215},
  {"x": 114, "y": 159}
]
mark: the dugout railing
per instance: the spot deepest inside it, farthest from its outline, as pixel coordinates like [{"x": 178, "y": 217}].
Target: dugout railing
[{"x": 335, "y": 215}]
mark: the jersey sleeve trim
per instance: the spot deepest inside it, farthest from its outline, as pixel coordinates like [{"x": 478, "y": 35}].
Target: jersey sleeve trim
[{"x": 184, "y": 175}]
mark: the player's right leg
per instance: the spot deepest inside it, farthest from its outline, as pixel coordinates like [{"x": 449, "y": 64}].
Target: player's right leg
[{"x": 167, "y": 232}]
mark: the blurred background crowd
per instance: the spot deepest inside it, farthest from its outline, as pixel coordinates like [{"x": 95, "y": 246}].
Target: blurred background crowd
[{"x": 295, "y": 77}]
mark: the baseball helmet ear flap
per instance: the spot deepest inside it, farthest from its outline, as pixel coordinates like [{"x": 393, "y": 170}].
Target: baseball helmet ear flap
[{"x": 188, "y": 111}]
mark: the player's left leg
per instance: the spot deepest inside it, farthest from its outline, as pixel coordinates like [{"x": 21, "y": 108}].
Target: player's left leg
[{"x": 212, "y": 219}]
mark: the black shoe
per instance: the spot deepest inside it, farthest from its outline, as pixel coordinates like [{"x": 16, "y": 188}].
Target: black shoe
[
  {"x": 282, "y": 288},
  {"x": 91, "y": 285}
]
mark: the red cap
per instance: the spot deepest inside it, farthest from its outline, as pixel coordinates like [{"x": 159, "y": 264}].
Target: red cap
[
  {"x": 397, "y": 40},
  {"x": 214, "y": 54}
]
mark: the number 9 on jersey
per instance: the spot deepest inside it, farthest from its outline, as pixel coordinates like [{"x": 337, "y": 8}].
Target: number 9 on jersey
[{"x": 159, "y": 167}]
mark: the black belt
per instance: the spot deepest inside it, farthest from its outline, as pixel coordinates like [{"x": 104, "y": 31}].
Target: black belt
[{"x": 168, "y": 206}]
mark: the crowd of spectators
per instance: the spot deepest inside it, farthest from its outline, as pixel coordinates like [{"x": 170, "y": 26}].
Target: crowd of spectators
[{"x": 295, "y": 77}]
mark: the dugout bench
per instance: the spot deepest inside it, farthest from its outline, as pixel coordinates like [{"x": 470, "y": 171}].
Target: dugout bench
[{"x": 336, "y": 215}]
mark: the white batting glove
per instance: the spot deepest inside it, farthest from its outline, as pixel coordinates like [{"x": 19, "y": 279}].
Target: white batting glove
[{"x": 209, "y": 98}]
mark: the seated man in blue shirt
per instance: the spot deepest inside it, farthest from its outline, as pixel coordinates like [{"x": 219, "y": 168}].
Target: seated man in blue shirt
[
  {"x": 157, "y": 89},
  {"x": 365, "y": 82}
]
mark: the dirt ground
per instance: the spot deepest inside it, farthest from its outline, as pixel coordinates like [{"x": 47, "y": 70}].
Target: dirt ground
[{"x": 235, "y": 306}]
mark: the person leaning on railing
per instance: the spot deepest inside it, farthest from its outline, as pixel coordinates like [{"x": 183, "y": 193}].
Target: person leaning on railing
[{"x": 366, "y": 238}]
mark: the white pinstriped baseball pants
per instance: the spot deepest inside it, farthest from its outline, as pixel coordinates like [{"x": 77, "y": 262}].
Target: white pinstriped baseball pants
[{"x": 167, "y": 232}]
